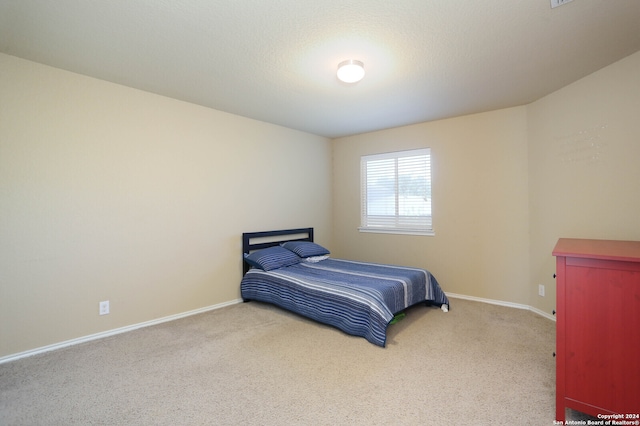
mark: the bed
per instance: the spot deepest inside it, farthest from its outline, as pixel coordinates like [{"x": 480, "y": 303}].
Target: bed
[{"x": 288, "y": 269}]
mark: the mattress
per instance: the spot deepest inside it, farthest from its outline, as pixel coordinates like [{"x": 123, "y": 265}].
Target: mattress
[{"x": 358, "y": 298}]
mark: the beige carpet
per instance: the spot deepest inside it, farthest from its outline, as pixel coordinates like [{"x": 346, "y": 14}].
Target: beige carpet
[{"x": 252, "y": 363}]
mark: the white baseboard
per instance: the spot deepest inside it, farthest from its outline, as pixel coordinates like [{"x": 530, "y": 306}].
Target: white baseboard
[
  {"x": 108, "y": 333},
  {"x": 503, "y": 303},
  {"x": 115, "y": 331}
]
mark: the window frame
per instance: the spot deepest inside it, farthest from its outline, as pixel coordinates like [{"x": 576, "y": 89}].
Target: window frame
[{"x": 400, "y": 225}]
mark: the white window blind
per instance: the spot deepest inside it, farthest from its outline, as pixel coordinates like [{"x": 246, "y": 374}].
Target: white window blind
[{"x": 396, "y": 192}]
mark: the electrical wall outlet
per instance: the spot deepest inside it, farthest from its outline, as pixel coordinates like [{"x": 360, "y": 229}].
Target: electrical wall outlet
[
  {"x": 556, "y": 3},
  {"x": 541, "y": 290},
  {"x": 104, "y": 307}
]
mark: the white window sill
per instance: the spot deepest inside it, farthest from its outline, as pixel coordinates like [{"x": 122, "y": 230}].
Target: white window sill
[{"x": 429, "y": 232}]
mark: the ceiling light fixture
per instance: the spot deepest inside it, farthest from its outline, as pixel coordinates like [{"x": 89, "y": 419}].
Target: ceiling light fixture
[{"x": 350, "y": 71}]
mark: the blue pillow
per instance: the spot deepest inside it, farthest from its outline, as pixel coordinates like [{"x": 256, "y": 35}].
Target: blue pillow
[
  {"x": 305, "y": 248},
  {"x": 271, "y": 258}
]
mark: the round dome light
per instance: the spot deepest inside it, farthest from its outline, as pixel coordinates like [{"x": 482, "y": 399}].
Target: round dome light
[{"x": 350, "y": 71}]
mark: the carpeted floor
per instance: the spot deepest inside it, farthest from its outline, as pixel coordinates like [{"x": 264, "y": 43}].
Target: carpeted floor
[{"x": 252, "y": 363}]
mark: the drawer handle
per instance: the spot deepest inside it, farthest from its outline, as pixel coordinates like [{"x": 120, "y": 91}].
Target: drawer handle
[
  {"x": 554, "y": 354},
  {"x": 554, "y": 312},
  {"x": 554, "y": 275}
]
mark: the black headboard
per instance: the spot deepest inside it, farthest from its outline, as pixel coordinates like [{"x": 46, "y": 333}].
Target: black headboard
[{"x": 252, "y": 241}]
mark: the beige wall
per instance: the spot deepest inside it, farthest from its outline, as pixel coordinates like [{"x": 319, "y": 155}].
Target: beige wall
[
  {"x": 507, "y": 184},
  {"x": 480, "y": 203},
  {"x": 584, "y": 165},
  {"x": 110, "y": 193}
]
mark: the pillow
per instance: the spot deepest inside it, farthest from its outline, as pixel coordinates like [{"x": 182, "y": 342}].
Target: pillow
[
  {"x": 305, "y": 248},
  {"x": 271, "y": 258},
  {"x": 316, "y": 259}
]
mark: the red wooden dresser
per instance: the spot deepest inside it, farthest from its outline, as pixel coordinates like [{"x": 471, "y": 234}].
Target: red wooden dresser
[{"x": 598, "y": 327}]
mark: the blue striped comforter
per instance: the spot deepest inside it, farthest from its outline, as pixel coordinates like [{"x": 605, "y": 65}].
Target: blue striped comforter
[{"x": 358, "y": 298}]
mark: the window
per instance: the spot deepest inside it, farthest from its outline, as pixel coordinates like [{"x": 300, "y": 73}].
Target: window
[{"x": 396, "y": 192}]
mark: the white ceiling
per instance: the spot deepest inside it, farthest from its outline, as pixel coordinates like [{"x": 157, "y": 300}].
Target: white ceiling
[{"x": 275, "y": 60}]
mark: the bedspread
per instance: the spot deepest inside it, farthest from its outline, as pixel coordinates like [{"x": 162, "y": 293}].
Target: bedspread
[{"x": 359, "y": 298}]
